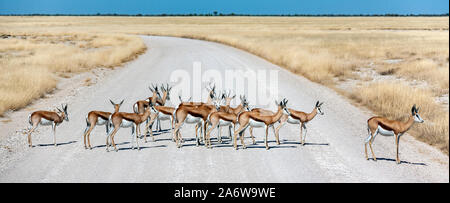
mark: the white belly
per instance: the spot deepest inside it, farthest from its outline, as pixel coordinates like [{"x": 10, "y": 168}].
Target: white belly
[
  {"x": 385, "y": 132},
  {"x": 191, "y": 119},
  {"x": 45, "y": 122},
  {"x": 256, "y": 124},
  {"x": 126, "y": 124},
  {"x": 163, "y": 117},
  {"x": 293, "y": 121},
  {"x": 224, "y": 123},
  {"x": 101, "y": 121}
]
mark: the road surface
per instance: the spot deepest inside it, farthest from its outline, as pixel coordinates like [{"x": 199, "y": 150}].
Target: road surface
[{"x": 333, "y": 152}]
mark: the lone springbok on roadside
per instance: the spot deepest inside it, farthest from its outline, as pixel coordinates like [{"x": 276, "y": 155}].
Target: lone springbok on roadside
[
  {"x": 98, "y": 118},
  {"x": 256, "y": 119},
  {"x": 127, "y": 120},
  {"x": 386, "y": 127},
  {"x": 301, "y": 118},
  {"x": 47, "y": 118}
]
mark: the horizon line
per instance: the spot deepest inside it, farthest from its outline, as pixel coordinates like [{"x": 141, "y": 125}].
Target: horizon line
[{"x": 217, "y": 14}]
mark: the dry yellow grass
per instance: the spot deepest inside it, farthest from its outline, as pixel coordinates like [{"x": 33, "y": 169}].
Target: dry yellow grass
[
  {"x": 31, "y": 62},
  {"x": 325, "y": 50}
]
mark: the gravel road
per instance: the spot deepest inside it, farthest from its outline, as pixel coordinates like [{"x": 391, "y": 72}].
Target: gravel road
[{"x": 334, "y": 151}]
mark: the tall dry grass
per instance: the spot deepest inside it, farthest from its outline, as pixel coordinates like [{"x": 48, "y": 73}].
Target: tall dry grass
[{"x": 30, "y": 63}]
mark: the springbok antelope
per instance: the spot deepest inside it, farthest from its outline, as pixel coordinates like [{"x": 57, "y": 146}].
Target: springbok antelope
[
  {"x": 162, "y": 102},
  {"x": 225, "y": 118},
  {"x": 98, "y": 118},
  {"x": 381, "y": 125},
  {"x": 301, "y": 118},
  {"x": 127, "y": 120},
  {"x": 193, "y": 114},
  {"x": 256, "y": 119},
  {"x": 141, "y": 105},
  {"x": 211, "y": 97},
  {"x": 47, "y": 118},
  {"x": 163, "y": 113},
  {"x": 264, "y": 112}
]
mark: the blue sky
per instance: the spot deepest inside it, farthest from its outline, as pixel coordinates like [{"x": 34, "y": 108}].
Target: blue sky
[{"x": 225, "y": 6}]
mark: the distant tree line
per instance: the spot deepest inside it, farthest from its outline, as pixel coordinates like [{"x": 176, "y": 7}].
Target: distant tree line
[{"x": 215, "y": 13}]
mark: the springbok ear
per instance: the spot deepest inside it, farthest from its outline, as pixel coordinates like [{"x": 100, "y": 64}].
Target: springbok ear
[
  {"x": 59, "y": 110},
  {"x": 65, "y": 108},
  {"x": 112, "y": 102},
  {"x": 417, "y": 110},
  {"x": 320, "y": 103},
  {"x": 122, "y": 102},
  {"x": 413, "y": 109}
]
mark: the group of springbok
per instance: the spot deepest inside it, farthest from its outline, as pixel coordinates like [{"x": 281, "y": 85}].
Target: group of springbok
[{"x": 207, "y": 116}]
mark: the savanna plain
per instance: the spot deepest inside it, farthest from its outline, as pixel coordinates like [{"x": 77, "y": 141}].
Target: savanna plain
[{"x": 385, "y": 64}]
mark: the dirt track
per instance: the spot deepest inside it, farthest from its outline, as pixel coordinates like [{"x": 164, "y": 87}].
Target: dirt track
[{"x": 333, "y": 153}]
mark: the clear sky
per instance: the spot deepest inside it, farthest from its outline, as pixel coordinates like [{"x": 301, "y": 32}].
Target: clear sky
[{"x": 224, "y": 6}]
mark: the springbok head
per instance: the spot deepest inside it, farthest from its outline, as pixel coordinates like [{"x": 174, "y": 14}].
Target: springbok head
[
  {"x": 319, "y": 107},
  {"x": 116, "y": 106},
  {"x": 154, "y": 89},
  {"x": 166, "y": 89},
  {"x": 63, "y": 112},
  {"x": 415, "y": 114},
  {"x": 226, "y": 95},
  {"x": 217, "y": 101},
  {"x": 211, "y": 90},
  {"x": 244, "y": 102},
  {"x": 282, "y": 105}
]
